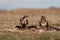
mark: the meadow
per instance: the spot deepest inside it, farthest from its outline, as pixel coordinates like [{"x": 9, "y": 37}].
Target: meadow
[{"x": 10, "y": 18}]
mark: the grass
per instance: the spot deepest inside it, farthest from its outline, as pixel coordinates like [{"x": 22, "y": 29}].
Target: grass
[
  {"x": 56, "y": 24},
  {"x": 10, "y": 20},
  {"x": 29, "y": 35}
]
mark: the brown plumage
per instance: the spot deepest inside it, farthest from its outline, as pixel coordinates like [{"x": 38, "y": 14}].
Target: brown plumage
[{"x": 43, "y": 23}]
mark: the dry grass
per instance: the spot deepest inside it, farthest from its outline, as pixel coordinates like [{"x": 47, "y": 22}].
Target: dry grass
[
  {"x": 29, "y": 35},
  {"x": 10, "y": 19}
]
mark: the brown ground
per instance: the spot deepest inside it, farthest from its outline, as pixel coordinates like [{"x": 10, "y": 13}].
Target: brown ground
[{"x": 9, "y": 19}]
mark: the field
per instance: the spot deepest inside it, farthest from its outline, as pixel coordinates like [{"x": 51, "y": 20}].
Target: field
[
  {"x": 10, "y": 18},
  {"x": 29, "y": 35}
]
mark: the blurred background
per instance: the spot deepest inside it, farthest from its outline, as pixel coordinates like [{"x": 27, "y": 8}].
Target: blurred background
[{"x": 12, "y": 10}]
